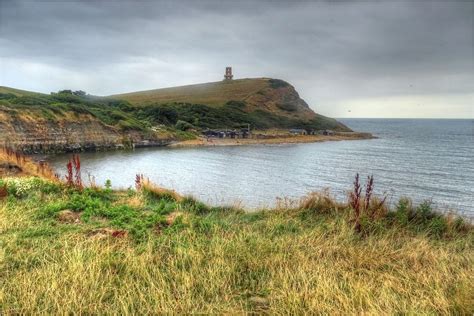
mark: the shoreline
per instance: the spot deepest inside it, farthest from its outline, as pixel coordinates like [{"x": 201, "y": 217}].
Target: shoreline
[
  {"x": 274, "y": 140},
  {"x": 200, "y": 141}
]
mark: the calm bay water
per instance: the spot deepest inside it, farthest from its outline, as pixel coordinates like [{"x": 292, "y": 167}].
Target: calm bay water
[{"x": 421, "y": 159}]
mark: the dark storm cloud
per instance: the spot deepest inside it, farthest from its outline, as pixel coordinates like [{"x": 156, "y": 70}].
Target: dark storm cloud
[{"x": 331, "y": 51}]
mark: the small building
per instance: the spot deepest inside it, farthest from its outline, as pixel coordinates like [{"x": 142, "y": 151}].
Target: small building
[
  {"x": 242, "y": 133},
  {"x": 298, "y": 131},
  {"x": 328, "y": 132},
  {"x": 228, "y": 73}
]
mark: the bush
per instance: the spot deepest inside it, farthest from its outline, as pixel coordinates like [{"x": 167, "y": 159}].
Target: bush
[
  {"x": 438, "y": 226},
  {"x": 403, "y": 211},
  {"x": 22, "y": 187},
  {"x": 7, "y": 96},
  {"x": 183, "y": 125},
  {"x": 165, "y": 114},
  {"x": 424, "y": 212},
  {"x": 30, "y": 100}
]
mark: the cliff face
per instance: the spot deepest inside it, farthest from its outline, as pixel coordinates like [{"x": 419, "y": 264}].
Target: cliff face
[
  {"x": 280, "y": 98},
  {"x": 31, "y": 133}
]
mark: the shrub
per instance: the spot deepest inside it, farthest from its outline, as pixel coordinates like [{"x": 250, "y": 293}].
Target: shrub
[
  {"x": 30, "y": 100},
  {"x": 183, "y": 125},
  {"x": 108, "y": 184},
  {"x": 7, "y": 96},
  {"x": 424, "y": 212},
  {"x": 403, "y": 211},
  {"x": 66, "y": 96},
  {"x": 438, "y": 226},
  {"x": 165, "y": 114}
]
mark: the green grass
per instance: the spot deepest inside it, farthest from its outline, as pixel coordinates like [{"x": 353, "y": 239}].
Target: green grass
[
  {"x": 17, "y": 92},
  {"x": 262, "y": 102},
  {"x": 229, "y": 116},
  {"x": 223, "y": 260},
  {"x": 237, "y": 108},
  {"x": 212, "y": 94}
]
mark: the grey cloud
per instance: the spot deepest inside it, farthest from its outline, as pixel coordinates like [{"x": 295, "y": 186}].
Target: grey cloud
[{"x": 330, "y": 50}]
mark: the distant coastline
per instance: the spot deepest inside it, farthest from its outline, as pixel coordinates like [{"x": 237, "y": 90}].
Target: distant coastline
[{"x": 278, "y": 139}]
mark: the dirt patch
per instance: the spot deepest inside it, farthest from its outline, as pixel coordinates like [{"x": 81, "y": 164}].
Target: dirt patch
[
  {"x": 9, "y": 169},
  {"x": 171, "y": 218},
  {"x": 70, "y": 217},
  {"x": 3, "y": 192},
  {"x": 101, "y": 233},
  {"x": 259, "y": 302}
]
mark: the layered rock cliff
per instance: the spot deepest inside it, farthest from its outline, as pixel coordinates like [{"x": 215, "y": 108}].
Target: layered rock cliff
[{"x": 32, "y": 133}]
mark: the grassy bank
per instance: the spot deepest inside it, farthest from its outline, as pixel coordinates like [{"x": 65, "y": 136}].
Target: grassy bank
[{"x": 149, "y": 250}]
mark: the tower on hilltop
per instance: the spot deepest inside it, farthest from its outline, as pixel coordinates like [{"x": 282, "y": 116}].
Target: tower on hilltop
[{"x": 228, "y": 73}]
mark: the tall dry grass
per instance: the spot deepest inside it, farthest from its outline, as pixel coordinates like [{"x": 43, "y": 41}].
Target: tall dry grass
[
  {"x": 280, "y": 262},
  {"x": 27, "y": 165},
  {"x": 145, "y": 185}
]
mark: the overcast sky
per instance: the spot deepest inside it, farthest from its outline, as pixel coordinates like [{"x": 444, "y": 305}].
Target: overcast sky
[{"x": 346, "y": 59}]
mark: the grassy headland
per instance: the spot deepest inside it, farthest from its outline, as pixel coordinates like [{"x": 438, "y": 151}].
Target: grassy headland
[
  {"x": 74, "y": 121},
  {"x": 149, "y": 250}
]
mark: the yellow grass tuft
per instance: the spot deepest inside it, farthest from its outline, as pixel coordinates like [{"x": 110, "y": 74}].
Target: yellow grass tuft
[
  {"x": 158, "y": 191},
  {"x": 320, "y": 202}
]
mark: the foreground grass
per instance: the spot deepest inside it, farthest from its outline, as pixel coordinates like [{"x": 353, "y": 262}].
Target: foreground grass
[{"x": 162, "y": 253}]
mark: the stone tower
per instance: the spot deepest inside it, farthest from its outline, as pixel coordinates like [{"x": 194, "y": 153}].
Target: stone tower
[{"x": 228, "y": 73}]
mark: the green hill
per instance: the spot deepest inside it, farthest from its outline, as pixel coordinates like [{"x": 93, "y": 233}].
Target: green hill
[
  {"x": 262, "y": 102},
  {"x": 212, "y": 93},
  {"x": 73, "y": 120},
  {"x": 16, "y": 92}
]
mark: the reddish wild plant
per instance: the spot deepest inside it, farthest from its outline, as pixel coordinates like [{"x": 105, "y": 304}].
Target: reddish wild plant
[
  {"x": 368, "y": 191},
  {"x": 73, "y": 175},
  {"x": 69, "y": 176},
  {"x": 138, "y": 182},
  {"x": 77, "y": 167},
  {"x": 356, "y": 199}
]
